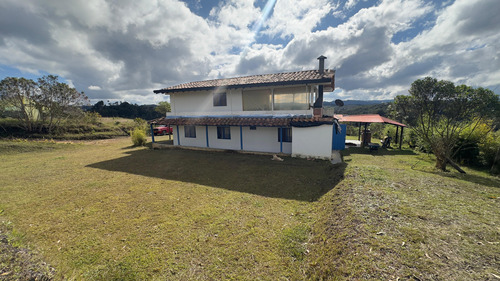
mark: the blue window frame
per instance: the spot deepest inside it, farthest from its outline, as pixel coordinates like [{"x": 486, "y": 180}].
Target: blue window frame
[
  {"x": 224, "y": 133},
  {"x": 190, "y": 131},
  {"x": 287, "y": 134},
  {"x": 220, "y": 99}
]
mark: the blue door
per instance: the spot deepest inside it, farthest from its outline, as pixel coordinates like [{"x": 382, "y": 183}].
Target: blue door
[{"x": 338, "y": 139}]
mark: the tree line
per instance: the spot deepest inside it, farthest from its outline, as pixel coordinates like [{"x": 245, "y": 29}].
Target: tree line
[{"x": 127, "y": 110}]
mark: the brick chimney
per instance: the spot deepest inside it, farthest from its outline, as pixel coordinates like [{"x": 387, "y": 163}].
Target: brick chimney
[{"x": 318, "y": 104}]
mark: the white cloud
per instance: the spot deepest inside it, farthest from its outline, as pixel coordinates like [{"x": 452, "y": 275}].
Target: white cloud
[
  {"x": 297, "y": 17},
  {"x": 240, "y": 14},
  {"x": 129, "y": 47},
  {"x": 94, "y": 88},
  {"x": 350, "y": 3}
]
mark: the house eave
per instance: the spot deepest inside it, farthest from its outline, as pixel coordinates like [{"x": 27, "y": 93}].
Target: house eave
[{"x": 245, "y": 121}]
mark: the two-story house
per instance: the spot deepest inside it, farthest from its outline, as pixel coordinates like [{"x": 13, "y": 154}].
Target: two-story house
[{"x": 277, "y": 113}]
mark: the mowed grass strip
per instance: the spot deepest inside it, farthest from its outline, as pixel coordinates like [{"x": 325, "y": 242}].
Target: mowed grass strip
[
  {"x": 106, "y": 211},
  {"x": 394, "y": 217}
]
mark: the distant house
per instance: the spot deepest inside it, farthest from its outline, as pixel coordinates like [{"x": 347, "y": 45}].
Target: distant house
[{"x": 277, "y": 113}]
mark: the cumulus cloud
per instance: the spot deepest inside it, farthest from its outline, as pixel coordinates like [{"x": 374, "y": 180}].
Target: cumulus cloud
[
  {"x": 297, "y": 17},
  {"x": 129, "y": 48}
]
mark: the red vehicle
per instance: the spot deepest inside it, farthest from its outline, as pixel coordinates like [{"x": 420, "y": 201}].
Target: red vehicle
[{"x": 162, "y": 130}]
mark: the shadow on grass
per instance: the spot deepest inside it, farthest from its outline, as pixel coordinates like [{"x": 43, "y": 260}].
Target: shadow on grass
[{"x": 296, "y": 179}]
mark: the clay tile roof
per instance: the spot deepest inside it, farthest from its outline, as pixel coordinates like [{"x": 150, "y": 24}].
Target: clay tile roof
[
  {"x": 287, "y": 78},
  {"x": 298, "y": 121}
]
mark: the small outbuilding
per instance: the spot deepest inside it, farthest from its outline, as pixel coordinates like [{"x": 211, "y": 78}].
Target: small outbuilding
[{"x": 365, "y": 119}]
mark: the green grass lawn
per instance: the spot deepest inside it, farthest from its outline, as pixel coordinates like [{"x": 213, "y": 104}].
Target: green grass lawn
[
  {"x": 103, "y": 210},
  {"x": 394, "y": 216}
]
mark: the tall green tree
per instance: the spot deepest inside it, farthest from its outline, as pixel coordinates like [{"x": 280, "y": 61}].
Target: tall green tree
[
  {"x": 440, "y": 112},
  {"x": 163, "y": 107}
]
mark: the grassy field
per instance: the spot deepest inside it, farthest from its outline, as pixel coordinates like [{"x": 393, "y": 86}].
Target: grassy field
[{"x": 103, "y": 210}]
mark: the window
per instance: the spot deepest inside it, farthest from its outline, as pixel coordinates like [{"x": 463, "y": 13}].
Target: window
[
  {"x": 291, "y": 98},
  {"x": 220, "y": 99},
  {"x": 287, "y": 134},
  {"x": 190, "y": 131},
  {"x": 257, "y": 100},
  {"x": 224, "y": 133}
]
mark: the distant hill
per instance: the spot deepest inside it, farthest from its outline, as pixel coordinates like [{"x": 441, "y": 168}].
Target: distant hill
[{"x": 354, "y": 107}]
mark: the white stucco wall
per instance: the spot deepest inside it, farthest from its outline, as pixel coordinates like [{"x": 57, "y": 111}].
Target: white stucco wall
[
  {"x": 232, "y": 144},
  {"x": 263, "y": 139},
  {"x": 199, "y": 141},
  {"x": 312, "y": 141},
  {"x": 200, "y": 103}
]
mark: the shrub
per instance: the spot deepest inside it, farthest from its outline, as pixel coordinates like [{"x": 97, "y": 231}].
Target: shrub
[
  {"x": 138, "y": 136},
  {"x": 91, "y": 117},
  {"x": 488, "y": 151}
]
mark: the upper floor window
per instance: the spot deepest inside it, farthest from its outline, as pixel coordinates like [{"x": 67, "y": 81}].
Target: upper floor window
[
  {"x": 190, "y": 131},
  {"x": 220, "y": 99},
  {"x": 257, "y": 100},
  {"x": 291, "y": 98},
  {"x": 224, "y": 133}
]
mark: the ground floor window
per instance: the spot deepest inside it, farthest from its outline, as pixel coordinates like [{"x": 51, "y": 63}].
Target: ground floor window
[
  {"x": 286, "y": 133},
  {"x": 224, "y": 133},
  {"x": 190, "y": 131}
]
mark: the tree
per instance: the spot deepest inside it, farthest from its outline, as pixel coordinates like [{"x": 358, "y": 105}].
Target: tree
[
  {"x": 440, "y": 112},
  {"x": 58, "y": 101},
  {"x": 43, "y": 104},
  {"x": 21, "y": 95},
  {"x": 163, "y": 107}
]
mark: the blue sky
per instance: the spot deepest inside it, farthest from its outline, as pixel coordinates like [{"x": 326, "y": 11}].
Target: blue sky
[{"x": 123, "y": 50}]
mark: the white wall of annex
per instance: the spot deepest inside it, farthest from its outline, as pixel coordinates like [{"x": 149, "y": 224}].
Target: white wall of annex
[
  {"x": 232, "y": 144},
  {"x": 312, "y": 141},
  {"x": 264, "y": 139}
]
